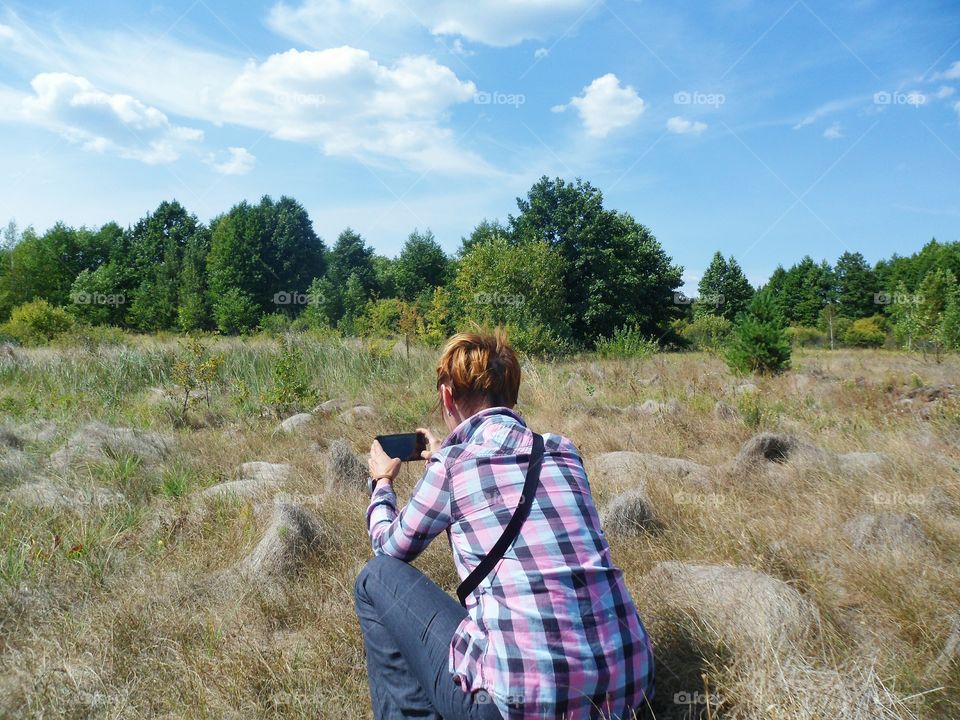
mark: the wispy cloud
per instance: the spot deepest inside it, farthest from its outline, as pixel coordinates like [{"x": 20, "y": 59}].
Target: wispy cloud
[{"x": 682, "y": 126}]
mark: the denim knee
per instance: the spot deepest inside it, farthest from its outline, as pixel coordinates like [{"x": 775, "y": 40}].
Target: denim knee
[{"x": 372, "y": 569}]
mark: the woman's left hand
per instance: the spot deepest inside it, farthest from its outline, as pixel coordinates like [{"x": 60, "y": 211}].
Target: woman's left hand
[{"x": 382, "y": 465}]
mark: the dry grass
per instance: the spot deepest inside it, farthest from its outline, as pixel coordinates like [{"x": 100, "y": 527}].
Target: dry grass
[{"x": 118, "y": 612}]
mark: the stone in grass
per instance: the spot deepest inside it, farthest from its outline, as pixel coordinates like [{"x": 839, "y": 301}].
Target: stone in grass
[
  {"x": 330, "y": 406},
  {"x": 723, "y": 411},
  {"x": 747, "y": 611},
  {"x": 771, "y": 447},
  {"x": 861, "y": 462},
  {"x": 344, "y": 468},
  {"x": 259, "y": 470},
  {"x": 293, "y": 536},
  {"x": 653, "y": 408},
  {"x": 629, "y": 514},
  {"x": 295, "y": 422},
  {"x": 96, "y": 442},
  {"x": 357, "y": 414},
  {"x": 622, "y": 467},
  {"x": 45, "y": 495},
  {"x": 37, "y": 431},
  {"x": 244, "y": 489},
  {"x": 14, "y": 464},
  {"x": 885, "y": 531}
]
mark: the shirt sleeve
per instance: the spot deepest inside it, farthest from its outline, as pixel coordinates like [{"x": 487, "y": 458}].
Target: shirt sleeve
[{"x": 404, "y": 535}]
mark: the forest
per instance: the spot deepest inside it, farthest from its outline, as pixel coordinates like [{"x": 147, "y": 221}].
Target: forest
[{"x": 562, "y": 274}]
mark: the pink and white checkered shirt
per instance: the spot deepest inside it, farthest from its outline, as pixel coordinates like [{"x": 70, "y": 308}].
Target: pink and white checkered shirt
[{"x": 552, "y": 631}]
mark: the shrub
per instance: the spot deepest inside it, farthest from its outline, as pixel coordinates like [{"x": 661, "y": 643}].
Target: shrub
[
  {"x": 536, "y": 339},
  {"x": 626, "y": 342},
  {"x": 92, "y": 336},
  {"x": 707, "y": 332},
  {"x": 275, "y": 324},
  {"x": 759, "y": 342},
  {"x": 804, "y": 336},
  {"x": 37, "y": 323},
  {"x": 865, "y": 332}
]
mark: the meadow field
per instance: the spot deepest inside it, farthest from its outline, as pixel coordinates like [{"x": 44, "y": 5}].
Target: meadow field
[{"x": 792, "y": 541}]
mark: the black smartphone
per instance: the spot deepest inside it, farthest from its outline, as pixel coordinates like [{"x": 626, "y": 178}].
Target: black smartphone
[{"x": 403, "y": 446}]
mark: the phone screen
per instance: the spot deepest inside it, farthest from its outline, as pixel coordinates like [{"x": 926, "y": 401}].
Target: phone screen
[{"x": 403, "y": 446}]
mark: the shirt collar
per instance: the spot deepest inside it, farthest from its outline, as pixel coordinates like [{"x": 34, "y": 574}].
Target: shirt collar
[{"x": 466, "y": 430}]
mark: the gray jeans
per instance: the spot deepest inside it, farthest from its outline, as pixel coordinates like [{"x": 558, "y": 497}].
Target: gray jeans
[{"x": 408, "y": 623}]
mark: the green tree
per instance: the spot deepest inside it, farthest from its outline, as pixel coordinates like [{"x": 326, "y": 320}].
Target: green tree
[
  {"x": 935, "y": 293},
  {"x": 759, "y": 343},
  {"x": 724, "y": 289},
  {"x": 293, "y": 253},
  {"x": 486, "y": 230},
  {"x": 237, "y": 285},
  {"x": 802, "y": 291},
  {"x": 615, "y": 272},
  {"x": 421, "y": 266},
  {"x": 903, "y": 308},
  {"x": 856, "y": 287}
]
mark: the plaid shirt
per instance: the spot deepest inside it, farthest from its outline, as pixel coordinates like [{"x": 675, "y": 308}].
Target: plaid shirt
[{"x": 552, "y": 631}]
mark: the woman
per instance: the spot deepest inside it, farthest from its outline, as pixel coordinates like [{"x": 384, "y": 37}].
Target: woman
[{"x": 551, "y": 631}]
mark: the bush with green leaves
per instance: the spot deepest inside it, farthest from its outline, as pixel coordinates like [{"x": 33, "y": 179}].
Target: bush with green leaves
[
  {"x": 37, "y": 323},
  {"x": 291, "y": 388},
  {"x": 759, "y": 342},
  {"x": 707, "y": 332},
  {"x": 865, "y": 332},
  {"x": 803, "y": 336},
  {"x": 627, "y": 341}
]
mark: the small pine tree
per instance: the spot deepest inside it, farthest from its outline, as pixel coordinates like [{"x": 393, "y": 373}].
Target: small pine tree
[{"x": 759, "y": 343}]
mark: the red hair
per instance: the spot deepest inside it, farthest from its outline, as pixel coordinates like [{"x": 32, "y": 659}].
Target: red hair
[{"x": 480, "y": 368}]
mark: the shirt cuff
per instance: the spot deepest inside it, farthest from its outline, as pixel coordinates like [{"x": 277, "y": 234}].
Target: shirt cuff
[{"x": 384, "y": 497}]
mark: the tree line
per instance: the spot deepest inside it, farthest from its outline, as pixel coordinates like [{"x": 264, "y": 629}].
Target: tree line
[{"x": 562, "y": 273}]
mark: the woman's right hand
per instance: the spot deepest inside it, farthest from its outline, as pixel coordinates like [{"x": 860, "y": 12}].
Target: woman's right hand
[{"x": 432, "y": 443}]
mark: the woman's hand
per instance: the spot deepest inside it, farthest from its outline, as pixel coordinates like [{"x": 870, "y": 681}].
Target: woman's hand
[
  {"x": 432, "y": 443},
  {"x": 382, "y": 465}
]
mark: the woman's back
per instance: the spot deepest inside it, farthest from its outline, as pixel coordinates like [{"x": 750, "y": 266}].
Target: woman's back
[{"x": 553, "y": 627}]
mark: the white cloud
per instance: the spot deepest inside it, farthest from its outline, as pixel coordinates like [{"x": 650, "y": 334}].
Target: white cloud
[
  {"x": 606, "y": 105},
  {"x": 951, "y": 73},
  {"x": 944, "y": 92},
  {"x": 240, "y": 162},
  {"x": 499, "y": 23},
  {"x": 7, "y": 32},
  {"x": 833, "y": 132},
  {"x": 682, "y": 126},
  {"x": 458, "y": 48},
  {"x": 351, "y": 105},
  {"x": 102, "y": 122},
  {"x": 834, "y": 106},
  {"x": 540, "y": 53}
]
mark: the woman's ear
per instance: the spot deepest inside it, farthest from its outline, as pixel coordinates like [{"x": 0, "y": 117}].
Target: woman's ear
[{"x": 446, "y": 395}]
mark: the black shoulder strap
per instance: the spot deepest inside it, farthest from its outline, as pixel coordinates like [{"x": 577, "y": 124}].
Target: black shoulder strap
[{"x": 513, "y": 527}]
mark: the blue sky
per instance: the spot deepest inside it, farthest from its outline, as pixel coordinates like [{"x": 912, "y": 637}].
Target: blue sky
[{"x": 767, "y": 130}]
